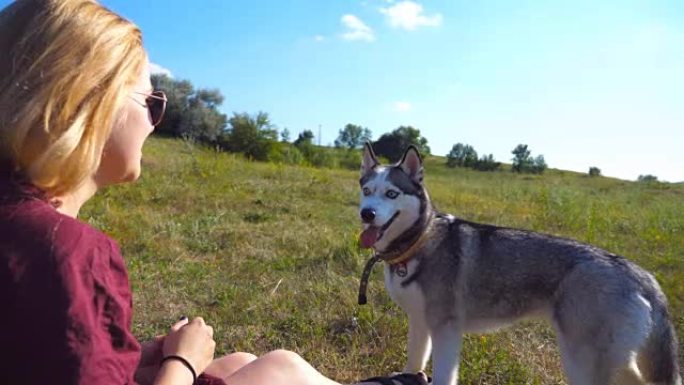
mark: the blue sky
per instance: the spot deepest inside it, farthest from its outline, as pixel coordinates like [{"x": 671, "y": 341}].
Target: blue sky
[{"x": 585, "y": 83}]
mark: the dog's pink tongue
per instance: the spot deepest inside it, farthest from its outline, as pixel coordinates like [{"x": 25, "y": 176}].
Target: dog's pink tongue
[{"x": 369, "y": 236}]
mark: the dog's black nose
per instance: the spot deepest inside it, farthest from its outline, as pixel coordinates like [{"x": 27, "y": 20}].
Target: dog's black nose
[{"x": 368, "y": 215}]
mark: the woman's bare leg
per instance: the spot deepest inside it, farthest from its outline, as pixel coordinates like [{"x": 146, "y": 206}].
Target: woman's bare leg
[
  {"x": 225, "y": 366},
  {"x": 222, "y": 367},
  {"x": 278, "y": 367}
]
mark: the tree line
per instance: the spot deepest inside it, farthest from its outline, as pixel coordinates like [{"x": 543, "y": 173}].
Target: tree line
[
  {"x": 193, "y": 114},
  {"x": 464, "y": 155}
]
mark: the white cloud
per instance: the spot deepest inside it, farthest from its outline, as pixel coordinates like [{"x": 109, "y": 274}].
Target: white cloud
[
  {"x": 402, "y": 106},
  {"x": 319, "y": 38},
  {"x": 356, "y": 29},
  {"x": 157, "y": 69},
  {"x": 409, "y": 15}
]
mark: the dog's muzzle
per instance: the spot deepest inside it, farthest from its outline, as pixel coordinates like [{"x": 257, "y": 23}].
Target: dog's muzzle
[{"x": 367, "y": 215}]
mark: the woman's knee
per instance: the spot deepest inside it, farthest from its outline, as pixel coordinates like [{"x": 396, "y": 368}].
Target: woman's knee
[
  {"x": 279, "y": 367},
  {"x": 240, "y": 357},
  {"x": 227, "y": 365},
  {"x": 283, "y": 357}
]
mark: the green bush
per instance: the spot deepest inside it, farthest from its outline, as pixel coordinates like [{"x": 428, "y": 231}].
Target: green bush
[
  {"x": 350, "y": 160},
  {"x": 285, "y": 153},
  {"x": 647, "y": 178},
  {"x": 320, "y": 157}
]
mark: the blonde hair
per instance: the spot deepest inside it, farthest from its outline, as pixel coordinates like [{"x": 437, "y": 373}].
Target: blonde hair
[{"x": 71, "y": 64}]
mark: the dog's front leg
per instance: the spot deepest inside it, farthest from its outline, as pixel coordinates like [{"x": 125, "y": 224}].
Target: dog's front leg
[
  {"x": 418, "y": 344},
  {"x": 447, "y": 340}
]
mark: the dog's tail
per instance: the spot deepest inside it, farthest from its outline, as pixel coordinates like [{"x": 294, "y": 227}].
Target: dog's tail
[{"x": 657, "y": 360}]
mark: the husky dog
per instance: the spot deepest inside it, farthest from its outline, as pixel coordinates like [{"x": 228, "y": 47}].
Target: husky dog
[{"x": 452, "y": 277}]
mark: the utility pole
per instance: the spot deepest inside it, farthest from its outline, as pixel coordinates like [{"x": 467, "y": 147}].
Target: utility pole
[{"x": 319, "y": 135}]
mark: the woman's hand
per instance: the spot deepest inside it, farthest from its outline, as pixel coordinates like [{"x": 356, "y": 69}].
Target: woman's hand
[{"x": 192, "y": 341}]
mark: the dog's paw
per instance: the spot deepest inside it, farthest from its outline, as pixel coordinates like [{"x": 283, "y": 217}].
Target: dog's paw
[
  {"x": 421, "y": 373},
  {"x": 427, "y": 378}
]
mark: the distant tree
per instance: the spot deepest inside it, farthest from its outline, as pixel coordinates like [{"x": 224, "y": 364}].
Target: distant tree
[
  {"x": 352, "y": 136},
  {"x": 285, "y": 135},
  {"x": 190, "y": 113},
  {"x": 487, "y": 163},
  {"x": 462, "y": 155},
  {"x": 250, "y": 135},
  {"x": 455, "y": 156},
  {"x": 523, "y": 162},
  {"x": 470, "y": 159},
  {"x": 539, "y": 165},
  {"x": 210, "y": 98},
  {"x": 305, "y": 137},
  {"x": 177, "y": 94},
  {"x": 648, "y": 178},
  {"x": 392, "y": 145},
  {"x": 594, "y": 171},
  {"x": 202, "y": 123}
]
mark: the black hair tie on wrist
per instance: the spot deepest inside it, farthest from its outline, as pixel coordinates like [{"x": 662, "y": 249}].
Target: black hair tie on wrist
[{"x": 184, "y": 362}]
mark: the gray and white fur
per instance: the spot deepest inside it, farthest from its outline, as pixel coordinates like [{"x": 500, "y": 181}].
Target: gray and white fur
[{"x": 610, "y": 316}]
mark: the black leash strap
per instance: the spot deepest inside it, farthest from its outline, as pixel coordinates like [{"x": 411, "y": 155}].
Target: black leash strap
[
  {"x": 403, "y": 379},
  {"x": 364, "y": 279}
]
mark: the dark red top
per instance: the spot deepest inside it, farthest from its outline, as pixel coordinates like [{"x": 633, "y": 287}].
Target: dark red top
[{"x": 65, "y": 296}]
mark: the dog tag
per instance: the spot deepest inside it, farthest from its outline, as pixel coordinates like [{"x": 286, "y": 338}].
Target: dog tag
[{"x": 402, "y": 270}]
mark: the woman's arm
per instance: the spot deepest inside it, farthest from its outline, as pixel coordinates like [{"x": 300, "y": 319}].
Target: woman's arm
[
  {"x": 173, "y": 372},
  {"x": 192, "y": 341}
]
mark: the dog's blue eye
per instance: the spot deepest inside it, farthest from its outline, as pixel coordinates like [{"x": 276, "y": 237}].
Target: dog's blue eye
[
  {"x": 366, "y": 191},
  {"x": 391, "y": 194}
]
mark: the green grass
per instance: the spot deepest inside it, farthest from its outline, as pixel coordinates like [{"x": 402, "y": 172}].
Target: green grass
[{"x": 268, "y": 254}]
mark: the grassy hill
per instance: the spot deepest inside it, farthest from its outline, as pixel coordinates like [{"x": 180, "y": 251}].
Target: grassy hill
[{"x": 268, "y": 254}]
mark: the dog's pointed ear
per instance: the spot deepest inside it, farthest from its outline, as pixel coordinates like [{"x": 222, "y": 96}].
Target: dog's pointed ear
[
  {"x": 412, "y": 164},
  {"x": 369, "y": 160}
]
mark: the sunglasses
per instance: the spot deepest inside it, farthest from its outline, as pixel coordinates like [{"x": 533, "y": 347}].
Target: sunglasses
[{"x": 155, "y": 104}]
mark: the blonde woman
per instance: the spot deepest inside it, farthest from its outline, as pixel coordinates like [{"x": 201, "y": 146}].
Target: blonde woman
[{"x": 76, "y": 105}]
